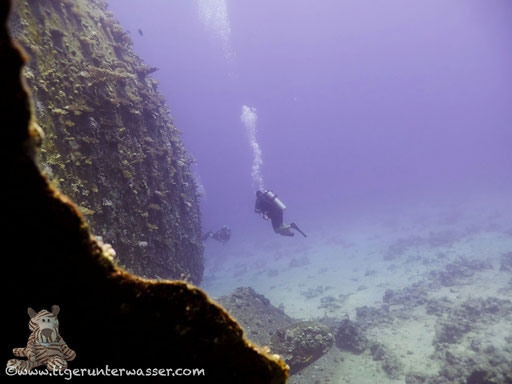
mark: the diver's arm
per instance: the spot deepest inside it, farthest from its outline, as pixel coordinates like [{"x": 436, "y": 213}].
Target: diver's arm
[
  {"x": 265, "y": 213},
  {"x": 257, "y": 206}
]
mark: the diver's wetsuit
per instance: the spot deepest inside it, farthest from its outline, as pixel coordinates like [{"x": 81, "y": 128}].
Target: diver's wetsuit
[
  {"x": 276, "y": 215},
  {"x": 268, "y": 204},
  {"x": 223, "y": 235}
]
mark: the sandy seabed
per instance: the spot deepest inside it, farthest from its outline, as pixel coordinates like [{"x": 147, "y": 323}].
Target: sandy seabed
[{"x": 428, "y": 270}]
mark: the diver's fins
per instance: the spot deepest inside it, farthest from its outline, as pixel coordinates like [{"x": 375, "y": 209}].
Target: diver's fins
[{"x": 294, "y": 226}]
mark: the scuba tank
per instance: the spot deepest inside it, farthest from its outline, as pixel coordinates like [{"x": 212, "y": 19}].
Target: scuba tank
[{"x": 271, "y": 196}]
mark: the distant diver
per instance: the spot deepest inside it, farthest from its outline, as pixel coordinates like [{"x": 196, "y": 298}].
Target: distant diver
[
  {"x": 140, "y": 32},
  {"x": 223, "y": 235},
  {"x": 271, "y": 207}
]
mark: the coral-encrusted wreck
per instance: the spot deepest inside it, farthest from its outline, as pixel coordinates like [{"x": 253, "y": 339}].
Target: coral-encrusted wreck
[
  {"x": 109, "y": 316},
  {"x": 110, "y": 142}
]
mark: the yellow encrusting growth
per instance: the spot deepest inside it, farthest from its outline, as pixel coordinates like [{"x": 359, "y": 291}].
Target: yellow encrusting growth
[{"x": 110, "y": 139}]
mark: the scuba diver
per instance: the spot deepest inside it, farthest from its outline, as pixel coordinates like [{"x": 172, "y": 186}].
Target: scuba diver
[
  {"x": 223, "y": 235},
  {"x": 271, "y": 207}
]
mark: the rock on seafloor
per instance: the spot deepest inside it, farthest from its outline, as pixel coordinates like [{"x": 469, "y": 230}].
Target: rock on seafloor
[
  {"x": 350, "y": 337},
  {"x": 302, "y": 343},
  {"x": 108, "y": 316},
  {"x": 258, "y": 317},
  {"x": 110, "y": 141},
  {"x": 299, "y": 343}
]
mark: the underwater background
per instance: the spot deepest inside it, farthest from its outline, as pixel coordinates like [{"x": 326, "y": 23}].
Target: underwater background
[
  {"x": 385, "y": 128},
  {"x": 362, "y": 107}
]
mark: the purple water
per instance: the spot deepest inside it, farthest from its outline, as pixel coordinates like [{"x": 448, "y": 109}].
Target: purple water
[
  {"x": 361, "y": 105},
  {"x": 386, "y": 129}
]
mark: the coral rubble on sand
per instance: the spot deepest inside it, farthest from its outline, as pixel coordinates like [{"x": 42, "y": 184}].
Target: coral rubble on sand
[{"x": 441, "y": 313}]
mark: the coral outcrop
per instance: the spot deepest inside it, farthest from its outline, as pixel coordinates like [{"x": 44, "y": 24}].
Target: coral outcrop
[
  {"x": 109, "y": 316},
  {"x": 256, "y": 315},
  {"x": 350, "y": 337},
  {"x": 302, "y": 343},
  {"x": 110, "y": 142}
]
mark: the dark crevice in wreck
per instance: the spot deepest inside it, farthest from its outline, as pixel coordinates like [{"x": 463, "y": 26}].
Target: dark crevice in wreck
[{"x": 108, "y": 316}]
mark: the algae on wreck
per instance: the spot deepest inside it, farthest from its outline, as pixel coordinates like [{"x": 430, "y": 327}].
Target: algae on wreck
[{"x": 110, "y": 142}]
